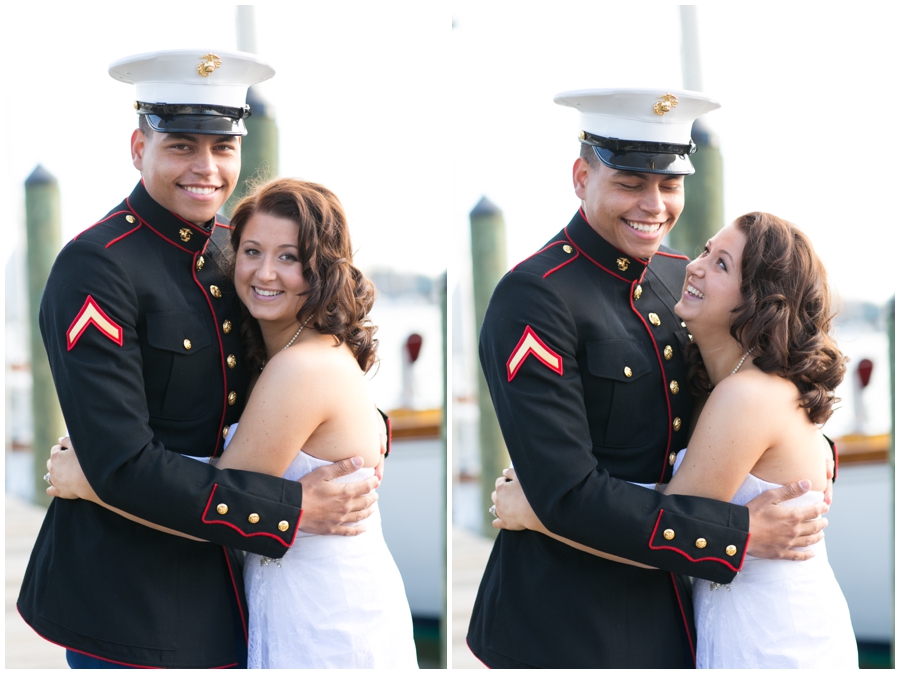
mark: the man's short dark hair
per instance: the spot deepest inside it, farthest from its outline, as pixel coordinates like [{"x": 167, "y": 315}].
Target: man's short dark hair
[
  {"x": 144, "y": 125},
  {"x": 588, "y": 154}
]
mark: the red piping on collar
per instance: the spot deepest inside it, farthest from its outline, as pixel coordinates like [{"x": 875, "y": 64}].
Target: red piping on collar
[
  {"x": 678, "y": 256},
  {"x": 189, "y": 224},
  {"x": 159, "y": 234}
]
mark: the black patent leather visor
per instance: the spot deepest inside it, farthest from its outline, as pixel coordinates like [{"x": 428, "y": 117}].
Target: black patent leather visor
[
  {"x": 646, "y": 162},
  {"x": 203, "y": 119}
]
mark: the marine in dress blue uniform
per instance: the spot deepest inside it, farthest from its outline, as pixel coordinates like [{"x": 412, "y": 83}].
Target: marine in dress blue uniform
[
  {"x": 141, "y": 325},
  {"x": 583, "y": 356}
]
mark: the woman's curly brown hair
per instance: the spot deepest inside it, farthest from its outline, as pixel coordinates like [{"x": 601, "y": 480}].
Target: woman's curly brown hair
[
  {"x": 786, "y": 314},
  {"x": 339, "y": 297}
]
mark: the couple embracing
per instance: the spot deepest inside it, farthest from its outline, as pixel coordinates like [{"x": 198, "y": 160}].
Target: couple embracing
[
  {"x": 606, "y": 355},
  {"x": 164, "y": 327}
]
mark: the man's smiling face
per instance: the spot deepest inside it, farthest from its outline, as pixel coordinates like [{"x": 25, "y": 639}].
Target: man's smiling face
[
  {"x": 191, "y": 175},
  {"x": 632, "y": 211}
]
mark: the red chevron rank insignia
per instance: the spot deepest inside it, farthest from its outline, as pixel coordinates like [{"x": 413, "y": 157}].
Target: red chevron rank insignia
[
  {"x": 92, "y": 313},
  {"x": 532, "y": 344}
]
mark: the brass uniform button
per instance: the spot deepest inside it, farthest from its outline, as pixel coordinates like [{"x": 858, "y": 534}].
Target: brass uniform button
[
  {"x": 215, "y": 292},
  {"x": 638, "y": 291},
  {"x": 690, "y": 337},
  {"x": 253, "y": 519},
  {"x": 700, "y": 543},
  {"x": 222, "y": 509},
  {"x": 200, "y": 262},
  {"x": 668, "y": 352},
  {"x": 731, "y": 551},
  {"x": 676, "y": 423},
  {"x": 683, "y": 325},
  {"x": 185, "y": 234},
  {"x": 654, "y": 319},
  {"x": 673, "y": 387},
  {"x": 669, "y": 534},
  {"x": 627, "y": 371},
  {"x": 232, "y": 398},
  {"x": 187, "y": 344},
  {"x": 129, "y": 219},
  {"x": 226, "y": 327},
  {"x": 567, "y": 248},
  {"x": 225, "y": 432},
  {"x": 622, "y": 263},
  {"x": 283, "y": 525},
  {"x": 672, "y": 458},
  {"x": 232, "y": 361}
]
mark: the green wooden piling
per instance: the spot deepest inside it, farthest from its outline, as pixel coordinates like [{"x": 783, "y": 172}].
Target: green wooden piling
[
  {"x": 43, "y": 233},
  {"x": 488, "y": 233},
  {"x": 259, "y": 148}
]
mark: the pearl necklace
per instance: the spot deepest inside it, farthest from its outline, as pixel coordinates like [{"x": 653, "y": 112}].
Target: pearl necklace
[
  {"x": 293, "y": 339},
  {"x": 741, "y": 362}
]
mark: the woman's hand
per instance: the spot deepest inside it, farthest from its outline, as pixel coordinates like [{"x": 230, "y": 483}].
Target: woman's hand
[
  {"x": 513, "y": 510},
  {"x": 67, "y": 480}
]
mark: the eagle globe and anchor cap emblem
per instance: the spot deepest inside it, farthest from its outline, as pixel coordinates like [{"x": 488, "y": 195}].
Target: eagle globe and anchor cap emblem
[
  {"x": 208, "y": 65},
  {"x": 665, "y": 104}
]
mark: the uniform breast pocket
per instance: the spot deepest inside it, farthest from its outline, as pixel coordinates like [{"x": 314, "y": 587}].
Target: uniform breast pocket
[
  {"x": 618, "y": 393},
  {"x": 177, "y": 365}
]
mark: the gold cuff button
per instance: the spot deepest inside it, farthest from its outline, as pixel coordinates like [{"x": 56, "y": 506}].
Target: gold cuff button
[
  {"x": 669, "y": 534},
  {"x": 222, "y": 509},
  {"x": 638, "y": 291},
  {"x": 673, "y": 387},
  {"x": 283, "y": 525},
  {"x": 231, "y": 360},
  {"x": 628, "y": 371},
  {"x": 232, "y": 398},
  {"x": 200, "y": 262},
  {"x": 129, "y": 219},
  {"x": 187, "y": 344},
  {"x": 622, "y": 263},
  {"x": 185, "y": 234},
  {"x": 567, "y": 248},
  {"x": 226, "y": 327},
  {"x": 700, "y": 543},
  {"x": 225, "y": 432},
  {"x": 668, "y": 352},
  {"x": 676, "y": 423},
  {"x": 672, "y": 458},
  {"x": 731, "y": 551},
  {"x": 215, "y": 292},
  {"x": 253, "y": 519},
  {"x": 654, "y": 319}
]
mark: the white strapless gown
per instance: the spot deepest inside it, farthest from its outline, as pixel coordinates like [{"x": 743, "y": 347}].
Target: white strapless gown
[
  {"x": 775, "y": 613},
  {"x": 331, "y": 601}
]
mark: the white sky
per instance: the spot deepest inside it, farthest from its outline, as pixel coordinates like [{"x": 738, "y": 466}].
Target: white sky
[
  {"x": 360, "y": 88},
  {"x": 809, "y": 111}
]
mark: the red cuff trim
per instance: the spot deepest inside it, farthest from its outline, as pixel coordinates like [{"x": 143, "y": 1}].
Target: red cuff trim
[
  {"x": 686, "y": 555},
  {"x": 241, "y": 532},
  {"x": 687, "y": 628}
]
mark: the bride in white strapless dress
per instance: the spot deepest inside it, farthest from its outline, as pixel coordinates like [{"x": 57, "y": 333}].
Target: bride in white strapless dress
[
  {"x": 776, "y": 613},
  {"x": 332, "y": 601}
]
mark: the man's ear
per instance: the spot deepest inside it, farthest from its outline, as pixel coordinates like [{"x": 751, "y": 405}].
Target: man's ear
[
  {"x": 580, "y": 171},
  {"x": 138, "y": 144}
]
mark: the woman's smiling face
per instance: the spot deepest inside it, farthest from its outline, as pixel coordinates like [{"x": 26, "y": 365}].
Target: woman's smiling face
[
  {"x": 712, "y": 284},
  {"x": 268, "y": 274}
]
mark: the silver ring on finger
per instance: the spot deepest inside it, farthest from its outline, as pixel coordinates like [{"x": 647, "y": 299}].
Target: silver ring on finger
[
  {"x": 47, "y": 479},
  {"x": 493, "y": 510}
]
